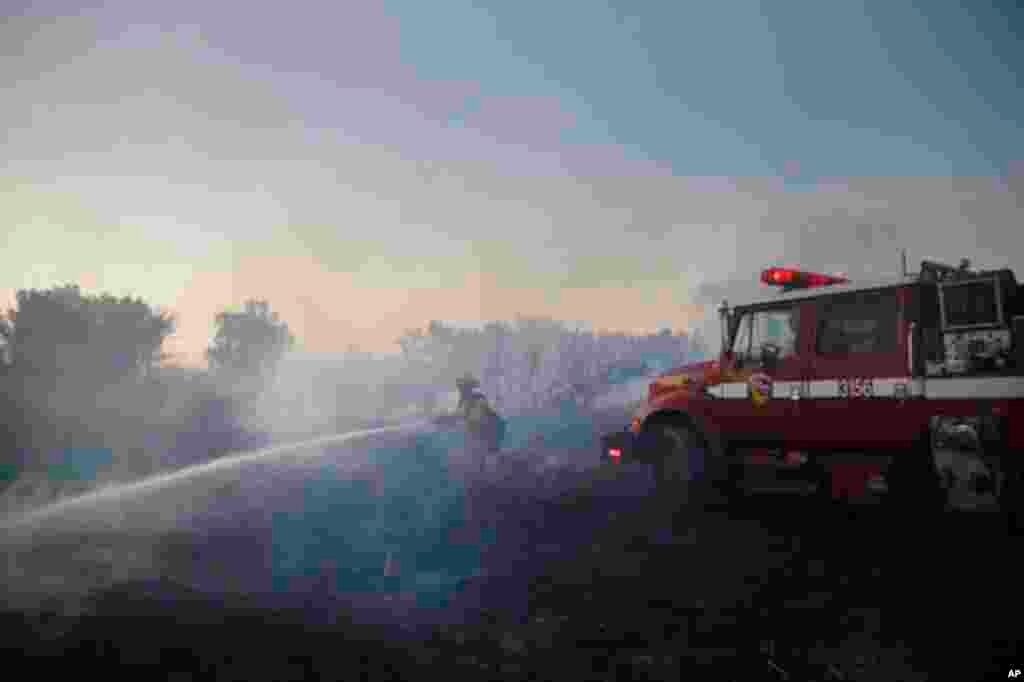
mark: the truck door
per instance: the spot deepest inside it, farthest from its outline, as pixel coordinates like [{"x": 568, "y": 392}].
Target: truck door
[
  {"x": 769, "y": 351},
  {"x": 859, "y": 364}
]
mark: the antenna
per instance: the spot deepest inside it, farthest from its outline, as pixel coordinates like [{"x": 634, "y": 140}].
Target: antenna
[{"x": 903, "y": 262}]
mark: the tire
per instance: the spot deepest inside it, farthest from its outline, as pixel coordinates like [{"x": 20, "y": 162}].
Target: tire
[
  {"x": 916, "y": 487},
  {"x": 689, "y": 468},
  {"x": 671, "y": 464}
]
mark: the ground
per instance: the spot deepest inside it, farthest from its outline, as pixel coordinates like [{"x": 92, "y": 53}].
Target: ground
[{"x": 645, "y": 592}]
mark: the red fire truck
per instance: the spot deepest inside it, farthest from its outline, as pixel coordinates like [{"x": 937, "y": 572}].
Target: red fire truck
[{"x": 909, "y": 390}]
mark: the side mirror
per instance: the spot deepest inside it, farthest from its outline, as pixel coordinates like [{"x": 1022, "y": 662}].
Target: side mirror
[{"x": 770, "y": 356}]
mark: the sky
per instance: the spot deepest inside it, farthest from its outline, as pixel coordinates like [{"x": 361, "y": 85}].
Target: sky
[{"x": 370, "y": 166}]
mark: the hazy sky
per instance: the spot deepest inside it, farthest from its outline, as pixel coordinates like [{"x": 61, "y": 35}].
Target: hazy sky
[{"x": 369, "y": 166}]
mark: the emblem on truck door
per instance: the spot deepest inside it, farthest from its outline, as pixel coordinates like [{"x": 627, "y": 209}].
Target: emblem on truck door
[{"x": 760, "y": 386}]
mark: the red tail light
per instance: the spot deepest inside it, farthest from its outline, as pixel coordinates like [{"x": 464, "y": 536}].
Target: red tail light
[{"x": 614, "y": 453}]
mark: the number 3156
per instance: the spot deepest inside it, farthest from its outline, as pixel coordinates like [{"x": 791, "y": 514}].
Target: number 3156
[{"x": 856, "y": 388}]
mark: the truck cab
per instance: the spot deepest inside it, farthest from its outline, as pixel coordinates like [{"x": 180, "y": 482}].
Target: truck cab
[{"x": 827, "y": 379}]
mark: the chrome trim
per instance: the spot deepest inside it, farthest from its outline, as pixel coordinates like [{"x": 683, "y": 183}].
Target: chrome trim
[{"x": 910, "y": 348}]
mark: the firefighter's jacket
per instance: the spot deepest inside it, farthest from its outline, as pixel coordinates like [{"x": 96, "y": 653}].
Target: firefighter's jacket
[
  {"x": 478, "y": 412},
  {"x": 483, "y": 423}
]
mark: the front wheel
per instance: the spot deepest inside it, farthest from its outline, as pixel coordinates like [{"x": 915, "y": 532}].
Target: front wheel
[{"x": 676, "y": 459}]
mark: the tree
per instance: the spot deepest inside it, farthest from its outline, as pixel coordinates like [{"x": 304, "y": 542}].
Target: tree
[
  {"x": 249, "y": 344},
  {"x": 70, "y": 385},
  {"x": 131, "y": 331},
  {"x": 61, "y": 333}
]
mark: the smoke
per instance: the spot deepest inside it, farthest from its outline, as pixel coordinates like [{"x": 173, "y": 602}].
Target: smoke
[
  {"x": 179, "y": 417},
  {"x": 624, "y": 395},
  {"x": 376, "y": 508},
  {"x": 522, "y": 367},
  {"x": 316, "y": 393}
]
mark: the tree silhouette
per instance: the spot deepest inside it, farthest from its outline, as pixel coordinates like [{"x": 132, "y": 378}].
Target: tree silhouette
[
  {"x": 71, "y": 385},
  {"x": 61, "y": 332},
  {"x": 129, "y": 331},
  {"x": 249, "y": 344}
]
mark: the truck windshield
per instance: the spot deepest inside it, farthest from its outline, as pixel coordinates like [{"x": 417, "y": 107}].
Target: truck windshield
[{"x": 777, "y": 327}]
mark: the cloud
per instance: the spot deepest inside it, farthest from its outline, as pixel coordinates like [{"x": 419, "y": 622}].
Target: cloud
[{"x": 206, "y": 165}]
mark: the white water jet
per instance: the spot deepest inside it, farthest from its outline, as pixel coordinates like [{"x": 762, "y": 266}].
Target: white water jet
[{"x": 118, "y": 492}]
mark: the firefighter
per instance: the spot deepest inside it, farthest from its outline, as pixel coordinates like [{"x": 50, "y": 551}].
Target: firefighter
[
  {"x": 485, "y": 429},
  {"x": 467, "y": 384},
  {"x": 483, "y": 422}
]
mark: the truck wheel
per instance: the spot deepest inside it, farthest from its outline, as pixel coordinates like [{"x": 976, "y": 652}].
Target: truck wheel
[
  {"x": 938, "y": 490},
  {"x": 672, "y": 459}
]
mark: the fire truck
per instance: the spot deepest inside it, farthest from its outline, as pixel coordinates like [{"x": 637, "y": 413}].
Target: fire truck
[{"x": 907, "y": 390}]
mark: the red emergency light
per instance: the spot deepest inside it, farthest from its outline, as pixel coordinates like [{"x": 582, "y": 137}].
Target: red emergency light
[{"x": 798, "y": 279}]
